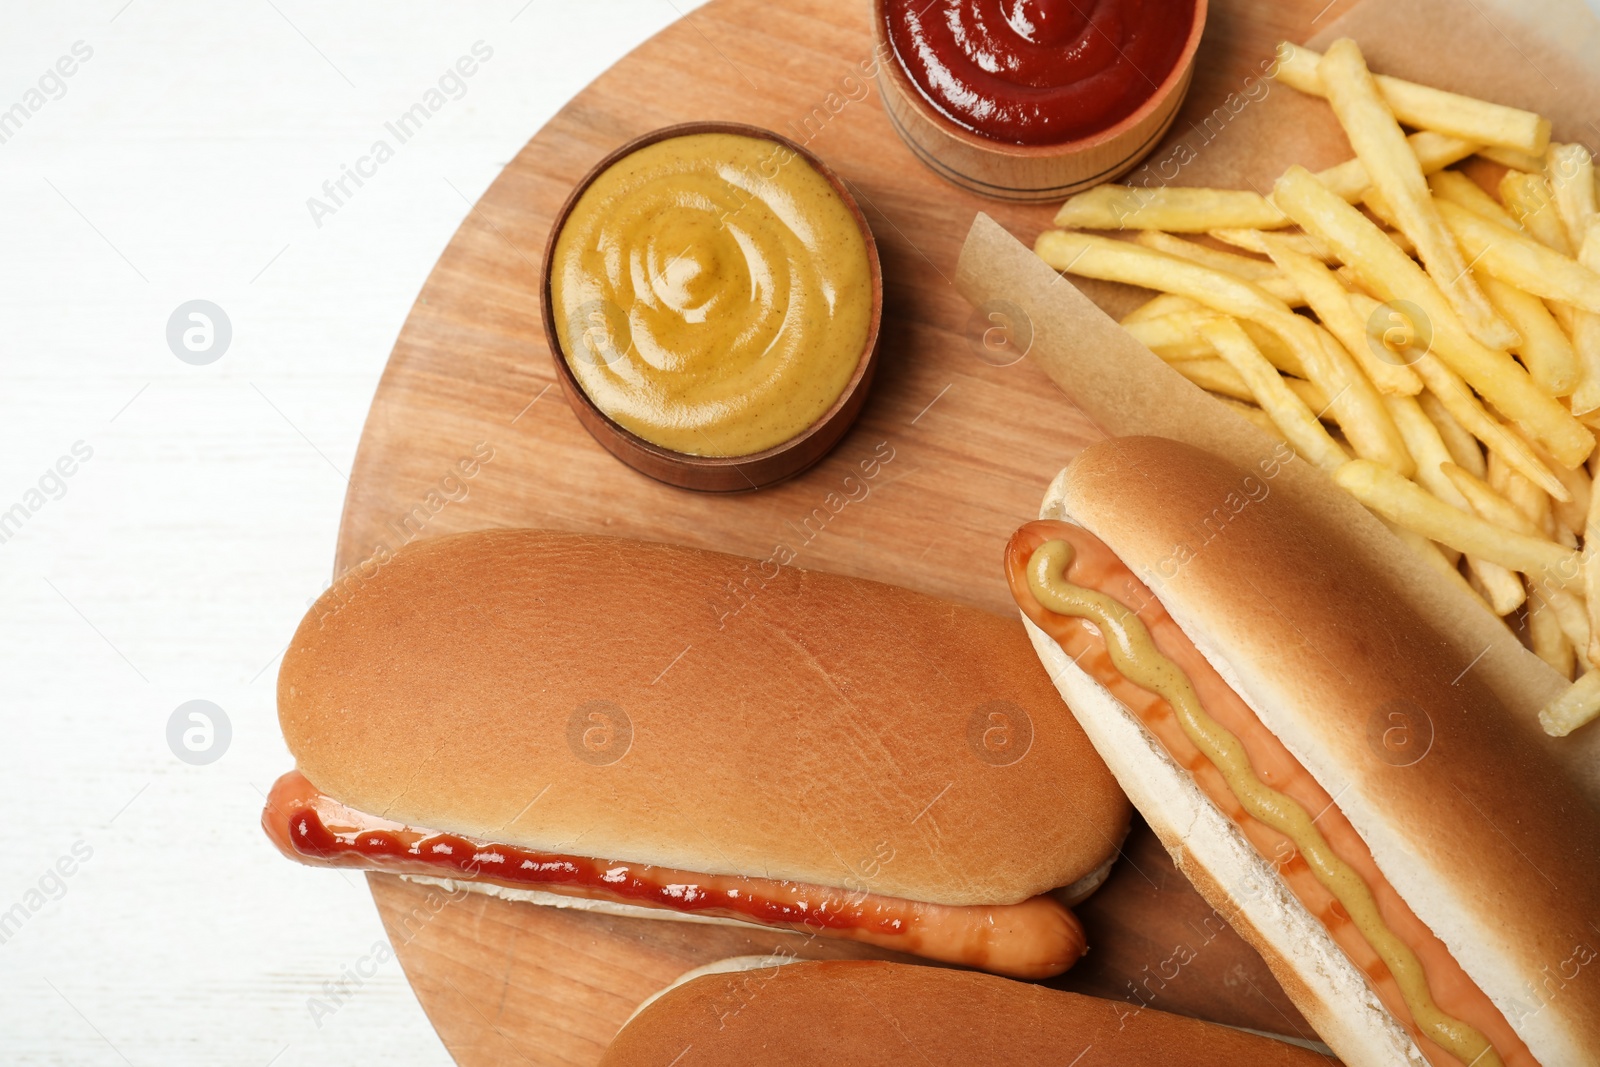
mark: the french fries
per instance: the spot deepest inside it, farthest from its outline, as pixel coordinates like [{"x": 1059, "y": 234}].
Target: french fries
[
  {"x": 1459, "y": 189},
  {"x": 1586, "y": 331},
  {"x": 1172, "y": 337},
  {"x": 1433, "y": 152},
  {"x": 1392, "y": 275},
  {"x": 1570, "y": 171},
  {"x": 1291, "y": 415},
  {"x": 1429, "y": 108},
  {"x": 1381, "y": 146},
  {"x": 1331, "y": 301},
  {"x": 1529, "y": 200},
  {"x": 1522, "y": 261},
  {"x": 1354, "y": 400},
  {"x": 1531, "y": 162},
  {"x": 1176, "y": 210},
  {"x": 1545, "y": 348},
  {"x": 1547, "y": 640},
  {"x": 1269, "y": 277},
  {"x": 1457, "y": 399},
  {"x": 1162, "y": 304},
  {"x": 1463, "y": 446},
  {"x": 1591, "y": 583},
  {"x": 1574, "y": 708},
  {"x": 1402, "y": 501},
  {"x": 1499, "y": 587}
]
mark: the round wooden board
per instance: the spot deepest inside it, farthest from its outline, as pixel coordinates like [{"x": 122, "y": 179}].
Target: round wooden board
[{"x": 964, "y": 450}]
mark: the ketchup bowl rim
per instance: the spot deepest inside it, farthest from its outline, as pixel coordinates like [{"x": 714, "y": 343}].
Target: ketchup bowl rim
[{"x": 1177, "y": 76}]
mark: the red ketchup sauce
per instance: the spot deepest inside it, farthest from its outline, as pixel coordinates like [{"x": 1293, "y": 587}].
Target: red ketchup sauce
[
  {"x": 1035, "y": 938},
  {"x": 311, "y": 827},
  {"x": 1038, "y": 72}
]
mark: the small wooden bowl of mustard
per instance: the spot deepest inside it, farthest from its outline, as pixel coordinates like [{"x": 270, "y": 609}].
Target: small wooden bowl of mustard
[{"x": 712, "y": 298}]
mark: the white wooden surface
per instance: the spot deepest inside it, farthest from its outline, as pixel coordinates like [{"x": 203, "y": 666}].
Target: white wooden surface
[{"x": 176, "y": 165}]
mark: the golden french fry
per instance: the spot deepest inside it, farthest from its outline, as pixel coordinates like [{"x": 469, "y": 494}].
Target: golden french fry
[
  {"x": 1433, "y": 151},
  {"x": 1488, "y": 504},
  {"x": 1329, "y": 299},
  {"x": 1176, "y": 336},
  {"x": 1392, "y": 274},
  {"x": 1453, "y": 394},
  {"x": 1427, "y": 448},
  {"x": 1404, "y": 502},
  {"x": 1297, "y": 421},
  {"x": 1172, "y": 337},
  {"x": 1431, "y": 109},
  {"x": 1244, "y": 266},
  {"x": 1304, "y": 243},
  {"x": 1545, "y": 348},
  {"x": 1529, "y": 200},
  {"x": 1515, "y": 160},
  {"x": 1353, "y": 398},
  {"x": 1591, "y": 579},
  {"x": 1250, "y": 241},
  {"x": 1570, "y": 515},
  {"x": 1158, "y": 305},
  {"x": 1549, "y": 643},
  {"x": 1464, "y": 448},
  {"x": 1252, "y": 414},
  {"x": 1264, "y": 274},
  {"x": 1381, "y": 146},
  {"x": 1459, "y": 189},
  {"x": 1216, "y": 375},
  {"x": 1172, "y": 208},
  {"x": 1586, "y": 331},
  {"x": 1522, "y": 261},
  {"x": 1510, "y": 483},
  {"x": 1277, "y": 351},
  {"x": 1570, "y": 170},
  {"x": 1576, "y": 707},
  {"x": 1571, "y": 613},
  {"x": 1500, "y": 588}
]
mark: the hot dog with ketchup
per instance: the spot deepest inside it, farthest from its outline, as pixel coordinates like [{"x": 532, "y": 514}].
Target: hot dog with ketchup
[{"x": 581, "y": 721}]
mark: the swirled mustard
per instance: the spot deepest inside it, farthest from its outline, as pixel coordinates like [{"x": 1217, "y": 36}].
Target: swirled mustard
[{"x": 712, "y": 293}]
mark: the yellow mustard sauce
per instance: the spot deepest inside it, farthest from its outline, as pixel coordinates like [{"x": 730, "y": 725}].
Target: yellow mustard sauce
[
  {"x": 1134, "y": 653},
  {"x": 712, "y": 293}
]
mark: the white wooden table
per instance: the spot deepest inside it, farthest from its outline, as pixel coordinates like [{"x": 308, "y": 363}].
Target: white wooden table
[
  {"x": 175, "y": 163},
  {"x": 144, "y": 919}
]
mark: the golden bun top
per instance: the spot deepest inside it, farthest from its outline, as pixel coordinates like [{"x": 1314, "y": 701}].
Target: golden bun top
[
  {"x": 656, "y": 704},
  {"x": 862, "y": 1012}
]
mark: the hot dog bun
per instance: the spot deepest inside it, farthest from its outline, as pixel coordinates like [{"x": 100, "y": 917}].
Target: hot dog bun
[
  {"x": 866, "y": 1012},
  {"x": 818, "y": 733},
  {"x": 1488, "y": 842}
]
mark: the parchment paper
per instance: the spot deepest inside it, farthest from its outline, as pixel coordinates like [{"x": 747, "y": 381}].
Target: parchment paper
[{"x": 1125, "y": 389}]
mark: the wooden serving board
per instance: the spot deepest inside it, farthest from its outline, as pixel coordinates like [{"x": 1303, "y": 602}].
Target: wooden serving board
[{"x": 966, "y": 449}]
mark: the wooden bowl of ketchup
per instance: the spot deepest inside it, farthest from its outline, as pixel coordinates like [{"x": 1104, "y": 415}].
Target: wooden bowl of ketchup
[{"x": 1034, "y": 99}]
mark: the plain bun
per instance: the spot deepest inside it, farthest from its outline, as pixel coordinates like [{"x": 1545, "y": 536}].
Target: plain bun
[
  {"x": 867, "y": 1012},
  {"x": 602, "y": 697}
]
